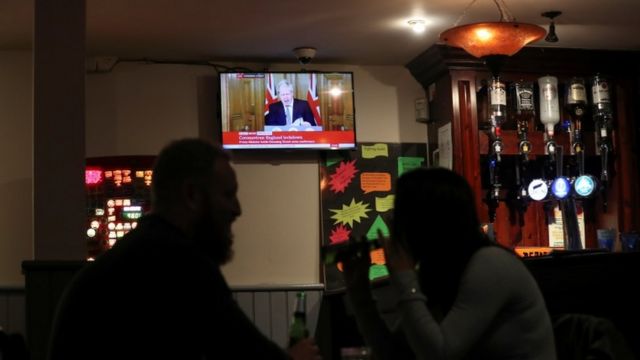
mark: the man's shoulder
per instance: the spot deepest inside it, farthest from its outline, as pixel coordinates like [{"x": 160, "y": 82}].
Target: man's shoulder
[{"x": 276, "y": 105}]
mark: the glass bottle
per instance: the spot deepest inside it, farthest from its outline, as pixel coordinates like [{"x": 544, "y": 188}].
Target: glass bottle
[
  {"x": 576, "y": 97},
  {"x": 525, "y": 107},
  {"x": 497, "y": 102},
  {"x": 601, "y": 96},
  {"x": 576, "y": 103},
  {"x": 549, "y": 104},
  {"x": 525, "y": 110},
  {"x": 524, "y": 97},
  {"x": 298, "y": 328},
  {"x": 603, "y": 116}
]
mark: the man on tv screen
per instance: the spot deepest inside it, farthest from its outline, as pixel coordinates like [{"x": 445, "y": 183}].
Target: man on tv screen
[{"x": 289, "y": 111}]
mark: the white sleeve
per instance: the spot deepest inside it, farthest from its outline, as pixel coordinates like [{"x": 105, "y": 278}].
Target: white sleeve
[{"x": 484, "y": 289}]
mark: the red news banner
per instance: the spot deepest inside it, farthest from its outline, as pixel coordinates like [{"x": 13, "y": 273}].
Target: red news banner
[{"x": 331, "y": 138}]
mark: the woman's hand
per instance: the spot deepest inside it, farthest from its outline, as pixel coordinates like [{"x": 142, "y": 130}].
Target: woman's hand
[
  {"x": 355, "y": 269},
  {"x": 305, "y": 349},
  {"x": 396, "y": 256}
]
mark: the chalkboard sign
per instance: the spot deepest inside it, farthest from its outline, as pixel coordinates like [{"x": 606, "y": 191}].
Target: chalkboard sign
[{"x": 357, "y": 193}]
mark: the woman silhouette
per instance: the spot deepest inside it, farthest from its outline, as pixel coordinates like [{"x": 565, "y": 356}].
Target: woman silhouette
[{"x": 458, "y": 294}]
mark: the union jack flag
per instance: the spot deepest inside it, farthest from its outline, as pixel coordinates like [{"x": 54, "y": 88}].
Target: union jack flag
[
  {"x": 312, "y": 98},
  {"x": 270, "y": 95}
]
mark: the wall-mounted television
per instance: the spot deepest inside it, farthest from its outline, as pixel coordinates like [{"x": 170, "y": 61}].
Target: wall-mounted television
[{"x": 287, "y": 110}]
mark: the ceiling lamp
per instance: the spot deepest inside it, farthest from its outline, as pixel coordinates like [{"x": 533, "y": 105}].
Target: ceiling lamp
[
  {"x": 417, "y": 25},
  {"x": 552, "y": 37},
  {"x": 493, "y": 41}
]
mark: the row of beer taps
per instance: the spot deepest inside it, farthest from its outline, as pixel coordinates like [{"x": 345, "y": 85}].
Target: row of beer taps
[{"x": 577, "y": 105}]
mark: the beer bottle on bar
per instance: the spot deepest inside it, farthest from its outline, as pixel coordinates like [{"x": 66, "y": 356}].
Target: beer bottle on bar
[{"x": 298, "y": 328}]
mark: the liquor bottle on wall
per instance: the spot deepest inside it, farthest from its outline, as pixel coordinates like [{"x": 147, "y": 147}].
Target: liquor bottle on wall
[
  {"x": 497, "y": 116},
  {"x": 577, "y": 106},
  {"x": 525, "y": 113},
  {"x": 603, "y": 117},
  {"x": 498, "y": 102},
  {"x": 549, "y": 110},
  {"x": 601, "y": 97}
]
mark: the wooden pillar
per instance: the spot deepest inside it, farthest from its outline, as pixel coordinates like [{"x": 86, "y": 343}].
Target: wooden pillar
[
  {"x": 465, "y": 132},
  {"x": 59, "y": 129}
]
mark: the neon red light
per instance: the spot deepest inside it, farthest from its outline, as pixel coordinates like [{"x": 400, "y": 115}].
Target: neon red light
[{"x": 92, "y": 176}]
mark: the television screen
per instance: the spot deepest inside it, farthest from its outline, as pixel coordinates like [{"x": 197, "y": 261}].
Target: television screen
[{"x": 287, "y": 110}]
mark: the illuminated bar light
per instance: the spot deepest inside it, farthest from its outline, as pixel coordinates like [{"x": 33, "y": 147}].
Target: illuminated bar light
[
  {"x": 585, "y": 186},
  {"x": 92, "y": 176},
  {"x": 538, "y": 189},
  {"x": 560, "y": 188}
]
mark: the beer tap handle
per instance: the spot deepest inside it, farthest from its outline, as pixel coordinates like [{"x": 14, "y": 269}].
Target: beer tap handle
[
  {"x": 494, "y": 192},
  {"x": 492, "y": 206},
  {"x": 494, "y": 176},
  {"x": 604, "y": 158},
  {"x": 559, "y": 159},
  {"x": 605, "y": 164},
  {"x": 521, "y": 195}
]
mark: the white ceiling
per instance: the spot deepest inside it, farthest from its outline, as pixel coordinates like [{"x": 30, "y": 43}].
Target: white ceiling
[{"x": 344, "y": 31}]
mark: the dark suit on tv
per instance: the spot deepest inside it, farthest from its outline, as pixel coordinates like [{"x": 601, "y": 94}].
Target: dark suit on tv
[{"x": 301, "y": 109}]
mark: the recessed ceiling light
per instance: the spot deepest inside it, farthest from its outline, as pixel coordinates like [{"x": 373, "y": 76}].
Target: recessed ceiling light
[{"x": 418, "y": 26}]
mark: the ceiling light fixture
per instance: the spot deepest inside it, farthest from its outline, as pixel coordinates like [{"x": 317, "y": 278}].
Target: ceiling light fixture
[
  {"x": 493, "y": 41},
  {"x": 551, "y": 36},
  {"x": 418, "y": 26}
]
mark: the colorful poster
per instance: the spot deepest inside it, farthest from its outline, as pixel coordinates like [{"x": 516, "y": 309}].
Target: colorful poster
[{"x": 357, "y": 193}]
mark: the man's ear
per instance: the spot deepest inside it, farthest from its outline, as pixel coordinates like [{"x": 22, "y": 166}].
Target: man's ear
[{"x": 193, "y": 195}]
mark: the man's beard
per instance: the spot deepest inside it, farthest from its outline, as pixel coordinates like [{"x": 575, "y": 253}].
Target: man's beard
[{"x": 213, "y": 241}]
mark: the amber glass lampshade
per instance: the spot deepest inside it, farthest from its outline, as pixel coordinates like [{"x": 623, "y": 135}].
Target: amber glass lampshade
[
  {"x": 492, "y": 38},
  {"x": 493, "y": 41}
]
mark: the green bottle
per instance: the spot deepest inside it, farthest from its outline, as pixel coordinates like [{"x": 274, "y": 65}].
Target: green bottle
[{"x": 298, "y": 328}]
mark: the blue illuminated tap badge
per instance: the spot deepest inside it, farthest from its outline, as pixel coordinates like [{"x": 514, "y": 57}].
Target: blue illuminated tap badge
[
  {"x": 538, "y": 189},
  {"x": 585, "y": 185},
  {"x": 560, "y": 188}
]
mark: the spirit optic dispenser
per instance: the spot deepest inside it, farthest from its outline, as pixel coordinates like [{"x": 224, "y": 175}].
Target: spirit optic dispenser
[
  {"x": 549, "y": 111},
  {"x": 525, "y": 111},
  {"x": 497, "y": 116},
  {"x": 577, "y": 105},
  {"x": 603, "y": 117},
  {"x": 498, "y": 108}
]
